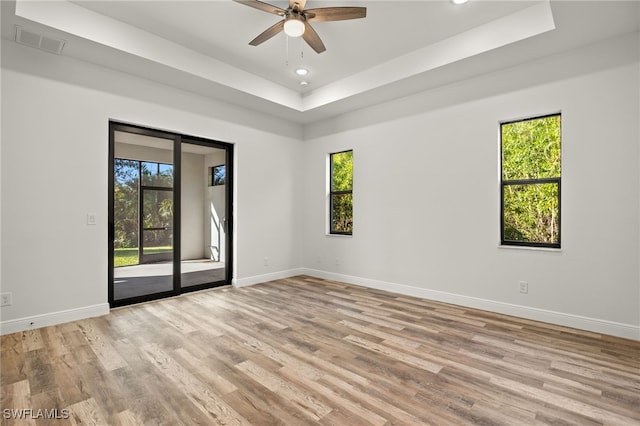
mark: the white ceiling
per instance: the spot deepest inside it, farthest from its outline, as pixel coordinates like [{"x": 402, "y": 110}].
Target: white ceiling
[
  {"x": 121, "y": 137},
  {"x": 222, "y": 29},
  {"x": 400, "y": 47}
]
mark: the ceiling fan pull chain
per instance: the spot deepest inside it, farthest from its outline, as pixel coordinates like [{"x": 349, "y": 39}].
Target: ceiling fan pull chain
[{"x": 286, "y": 62}]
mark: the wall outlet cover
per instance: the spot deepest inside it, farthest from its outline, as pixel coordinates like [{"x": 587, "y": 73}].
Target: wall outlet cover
[{"x": 6, "y": 299}]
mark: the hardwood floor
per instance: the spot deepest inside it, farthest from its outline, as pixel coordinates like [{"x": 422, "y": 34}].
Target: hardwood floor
[{"x": 303, "y": 351}]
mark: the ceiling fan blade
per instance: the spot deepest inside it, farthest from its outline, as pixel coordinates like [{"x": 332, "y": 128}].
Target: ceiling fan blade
[
  {"x": 325, "y": 14},
  {"x": 268, "y": 33},
  {"x": 312, "y": 38},
  {"x": 265, "y": 7}
]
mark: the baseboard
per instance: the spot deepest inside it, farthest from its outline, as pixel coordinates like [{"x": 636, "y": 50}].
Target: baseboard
[
  {"x": 612, "y": 328},
  {"x": 595, "y": 325},
  {"x": 53, "y": 318},
  {"x": 257, "y": 279}
]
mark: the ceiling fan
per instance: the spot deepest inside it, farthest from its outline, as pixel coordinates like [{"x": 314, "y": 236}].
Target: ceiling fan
[{"x": 296, "y": 20}]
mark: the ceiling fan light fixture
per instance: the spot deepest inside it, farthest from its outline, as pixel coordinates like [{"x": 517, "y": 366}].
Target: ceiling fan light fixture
[{"x": 294, "y": 26}]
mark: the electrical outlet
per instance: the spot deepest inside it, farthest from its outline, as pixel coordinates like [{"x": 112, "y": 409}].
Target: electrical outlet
[
  {"x": 337, "y": 261},
  {"x": 266, "y": 261},
  {"x": 6, "y": 299},
  {"x": 91, "y": 218},
  {"x": 524, "y": 287}
]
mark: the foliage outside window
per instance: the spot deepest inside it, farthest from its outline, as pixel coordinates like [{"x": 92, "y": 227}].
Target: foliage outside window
[
  {"x": 156, "y": 174},
  {"x": 530, "y": 182},
  {"x": 217, "y": 175},
  {"x": 341, "y": 193},
  {"x": 126, "y": 194},
  {"x": 141, "y": 184}
]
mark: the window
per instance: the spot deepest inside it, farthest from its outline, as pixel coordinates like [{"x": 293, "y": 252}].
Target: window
[
  {"x": 143, "y": 211},
  {"x": 156, "y": 174},
  {"x": 530, "y": 182},
  {"x": 341, "y": 193},
  {"x": 217, "y": 175}
]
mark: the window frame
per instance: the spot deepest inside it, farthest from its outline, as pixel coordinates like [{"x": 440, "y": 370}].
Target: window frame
[
  {"x": 212, "y": 175},
  {"x": 333, "y": 193},
  {"x": 523, "y": 182}
]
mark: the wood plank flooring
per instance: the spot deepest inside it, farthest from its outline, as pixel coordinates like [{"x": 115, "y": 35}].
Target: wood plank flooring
[{"x": 305, "y": 351}]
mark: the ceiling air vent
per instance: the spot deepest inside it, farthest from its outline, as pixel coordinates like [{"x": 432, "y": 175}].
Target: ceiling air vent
[{"x": 39, "y": 41}]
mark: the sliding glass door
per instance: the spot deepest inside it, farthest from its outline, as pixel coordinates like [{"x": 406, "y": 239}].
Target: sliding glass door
[
  {"x": 169, "y": 214},
  {"x": 204, "y": 191}
]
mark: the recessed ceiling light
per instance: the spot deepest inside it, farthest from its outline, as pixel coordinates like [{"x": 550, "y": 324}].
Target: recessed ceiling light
[
  {"x": 304, "y": 83},
  {"x": 302, "y": 71},
  {"x": 459, "y": 1}
]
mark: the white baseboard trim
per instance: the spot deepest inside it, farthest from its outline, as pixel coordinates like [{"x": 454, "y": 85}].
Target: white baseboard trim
[
  {"x": 595, "y": 325},
  {"x": 53, "y": 318},
  {"x": 628, "y": 331},
  {"x": 257, "y": 279}
]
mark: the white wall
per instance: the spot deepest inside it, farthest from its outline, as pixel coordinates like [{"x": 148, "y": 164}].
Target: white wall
[
  {"x": 55, "y": 115},
  {"x": 143, "y": 153},
  {"x": 192, "y": 216},
  {"x": 426, "y": 188},
  {"x": 426, "y": 197}
]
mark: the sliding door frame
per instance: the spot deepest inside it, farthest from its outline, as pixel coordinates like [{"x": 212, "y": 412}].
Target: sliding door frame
[
  {"x": 177, "y": 139},
  {"x": 228, "y": 148}
]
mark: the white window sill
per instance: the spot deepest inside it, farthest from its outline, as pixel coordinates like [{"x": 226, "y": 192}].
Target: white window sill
[{"x": 527, "y": 248}]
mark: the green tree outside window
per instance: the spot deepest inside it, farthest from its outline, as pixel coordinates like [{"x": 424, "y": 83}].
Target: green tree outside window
[
  {"x": 341, "y": 193},
  {"x": 130, "y": 177},
  {"x": 531, "y": 170}
]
